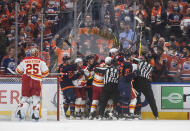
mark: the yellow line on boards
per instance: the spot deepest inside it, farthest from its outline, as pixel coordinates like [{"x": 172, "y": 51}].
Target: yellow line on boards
[{"x": 166, "y": 115}]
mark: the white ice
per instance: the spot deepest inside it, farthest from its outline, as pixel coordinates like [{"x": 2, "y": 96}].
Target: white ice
[{"x": 96, "y": 125}]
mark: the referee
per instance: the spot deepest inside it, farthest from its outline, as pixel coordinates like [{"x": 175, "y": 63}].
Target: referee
[
  {"x": 110, "y": 89},
  {"x": 142, "y": 84}
]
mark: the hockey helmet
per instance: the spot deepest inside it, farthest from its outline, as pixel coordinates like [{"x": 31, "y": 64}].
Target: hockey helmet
[
  {"x": 77, "y": 60},
  {"x": 108, "y": 60},
  {"x": 66, "y": 57},
  {"x": 89, "y": 57},
  {"x": 112, "y": 51}
]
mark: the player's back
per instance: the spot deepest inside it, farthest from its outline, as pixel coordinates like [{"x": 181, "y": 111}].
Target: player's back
[{"x": 34, "y": 67}]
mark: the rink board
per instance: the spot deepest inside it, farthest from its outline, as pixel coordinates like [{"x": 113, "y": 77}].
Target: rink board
[
  {"x": 10, "y": 94},
  {"x": 173, "y": 100}
]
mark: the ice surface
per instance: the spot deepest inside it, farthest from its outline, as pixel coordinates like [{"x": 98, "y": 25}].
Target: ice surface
[{"x": 96, "y": 125}]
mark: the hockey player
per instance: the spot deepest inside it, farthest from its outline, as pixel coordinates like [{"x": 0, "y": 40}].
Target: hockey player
[
  {"x": 32, "y": 69},
  {"x": 98, "y": 84},
  {"x": 89, "y": 73},
  {"x": 117, "y": 56},
  {"x": 66, "y": 71},
  {"x": 79, "y": 84},
  {"x": 113, "y": 52},
  {"x": 125, "y": 88}
]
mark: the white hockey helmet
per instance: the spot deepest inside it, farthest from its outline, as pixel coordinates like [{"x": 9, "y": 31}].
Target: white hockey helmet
[
  {"x": 113, "y": 50},
  {"x": 108, "y": 60},
  {"x": 77, "y": 60}
]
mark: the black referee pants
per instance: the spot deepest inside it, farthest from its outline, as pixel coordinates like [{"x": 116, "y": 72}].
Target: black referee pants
[
  {"x": 143, "y": 85},
  {"x": 109, "y": 91}
]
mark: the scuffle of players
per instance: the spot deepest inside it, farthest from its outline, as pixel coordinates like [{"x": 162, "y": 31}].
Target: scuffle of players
[{"x": 94, "y": 89}]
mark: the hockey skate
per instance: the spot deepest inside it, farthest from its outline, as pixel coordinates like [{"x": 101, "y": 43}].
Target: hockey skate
[
  {"x": 101, "y": 118},
  {"x": 83, "y": 115},
  {"x": 137, "y": 117},
  {"x": 19, "y": 116},
  {"x": 92, "y": 115},
  {"x": 67, "y": 116},
  {"x": 107, "y": 116},
  {"x": 35, "y": 118},
  {"x": 72, "y": 115},
  {"x": 129, "y": 116},
  {"x": 113, "y": 115},
  {"x": 78, "y": 116}
]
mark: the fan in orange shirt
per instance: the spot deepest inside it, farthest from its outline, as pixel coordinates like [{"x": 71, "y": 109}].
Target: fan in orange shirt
[
  {"x": 60, "y": 51},
  {"x": 36, "y": 3}
]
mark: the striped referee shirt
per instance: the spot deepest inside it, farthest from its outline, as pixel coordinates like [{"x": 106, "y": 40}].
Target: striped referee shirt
[
  {"x": 145, "y": 69},
  {"x": 111, "y": 75}
]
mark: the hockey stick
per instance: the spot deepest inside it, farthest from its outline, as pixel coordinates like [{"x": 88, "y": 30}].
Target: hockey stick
[{"x": 69, "y": 87}]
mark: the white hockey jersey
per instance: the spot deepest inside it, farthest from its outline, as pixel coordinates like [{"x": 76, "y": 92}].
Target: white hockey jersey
[{"x": 34, "y": 67}]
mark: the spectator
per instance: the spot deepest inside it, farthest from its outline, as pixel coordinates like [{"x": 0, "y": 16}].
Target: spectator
[
  {"x": 184, "y": 65},
  {"x": 87, "y": 22},
  {"x": 3, "y": 43},
  {"x": 159, "y": 73},
  {"x": 174, "y": 19},
  {"x": 46, "y": 53},
  {"x": 141, "y": 11},
  {"x": 157, "y": 41},
  {"x": 107, "y": 24},
  {"x": 65, "y": 49},
  {"x": 172, "y": 64},
  {"x": 127, "y": 37},
  {"x": 121, "y": 26},
  {"x": 185, "y": 23},
  {"x": 183, "y": 5},
  {"x": 158, "y": 18},
  {"x": 9, "y": 62}
]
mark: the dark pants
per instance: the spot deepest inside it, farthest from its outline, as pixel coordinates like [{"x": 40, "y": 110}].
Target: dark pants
[
  {"x": 143, "y": 85},
  {"x": 110, "y": 91},
  {"x": 69, "y": 96},
  {"x": 125, "y": 96}
]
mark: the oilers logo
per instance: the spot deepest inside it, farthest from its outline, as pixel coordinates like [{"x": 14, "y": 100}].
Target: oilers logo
[
  {"x": 186, "y": 65},
  {"x": 12, "y": 66},
  {"x": 174, "y": 64}
]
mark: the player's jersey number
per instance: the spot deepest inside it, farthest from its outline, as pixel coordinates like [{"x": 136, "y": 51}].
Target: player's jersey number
[{"x": 32, "y": 68}]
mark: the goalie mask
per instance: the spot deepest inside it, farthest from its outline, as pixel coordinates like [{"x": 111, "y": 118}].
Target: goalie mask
[{"x": 34, "y": 52}]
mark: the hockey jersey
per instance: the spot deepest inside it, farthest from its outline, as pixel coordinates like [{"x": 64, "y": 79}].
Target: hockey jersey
[
  {"x": 34, "y": 67},
  {"x": 184, "y": 66},
  {"x": 172, "y": 62},
  {"x": 67, "y": 73},
  {"x": 9, "y": 64},
  {"x": 81, "y": 81},
  {"x": 98, "y": 79}
]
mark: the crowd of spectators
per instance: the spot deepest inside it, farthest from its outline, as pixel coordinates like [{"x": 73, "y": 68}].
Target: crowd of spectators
[
  {"x": 55, "y": 13},
  {"x": 163, "y": 30}
]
